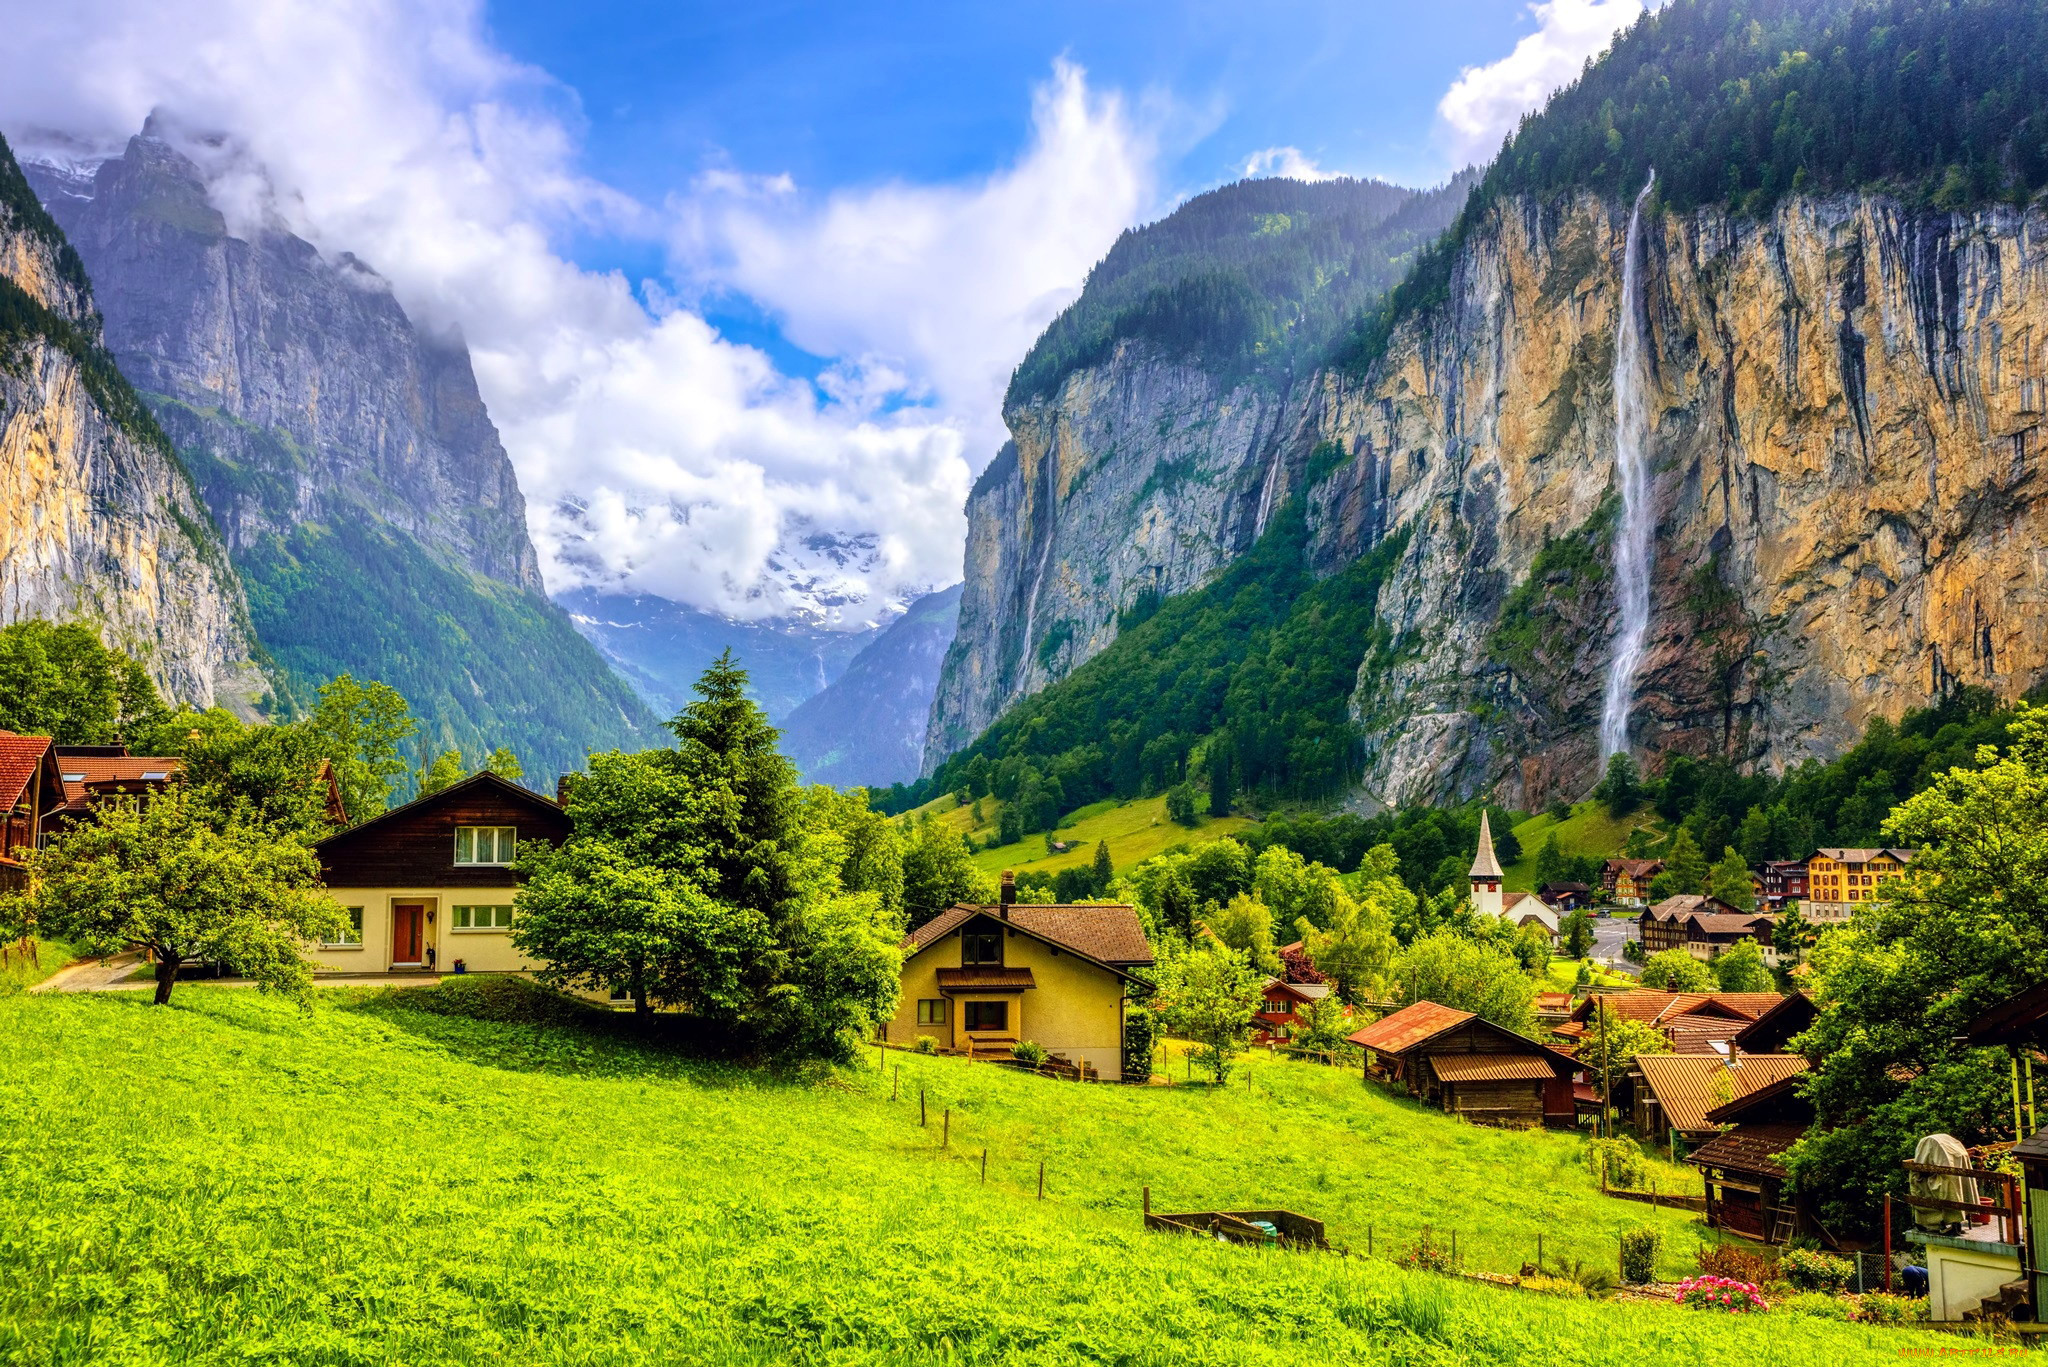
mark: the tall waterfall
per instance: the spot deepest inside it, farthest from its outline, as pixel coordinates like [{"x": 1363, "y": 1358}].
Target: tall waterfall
[{"x": 1632, "y": 539}]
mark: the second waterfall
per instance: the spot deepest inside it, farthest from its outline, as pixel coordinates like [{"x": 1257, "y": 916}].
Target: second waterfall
[{"x": 1632, "y": 537}]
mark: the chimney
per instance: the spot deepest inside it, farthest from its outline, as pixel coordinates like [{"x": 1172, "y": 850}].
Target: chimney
[
  {"x": 562, "y": 789},
  {"x": 1009, "y": 893}
]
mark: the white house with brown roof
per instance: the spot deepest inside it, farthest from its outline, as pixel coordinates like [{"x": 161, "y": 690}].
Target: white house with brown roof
[{"x": 978, "y": 979}]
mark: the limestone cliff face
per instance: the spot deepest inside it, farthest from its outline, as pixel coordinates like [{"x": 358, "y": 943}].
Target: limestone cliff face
[
  {"x": 1845, "y": 400},
  {"x": 1141, "y": 476},
  {"x": 97, "y": 521},
  {"x": 1845, "y": 404},
  {"x": 299, "y": 380}
]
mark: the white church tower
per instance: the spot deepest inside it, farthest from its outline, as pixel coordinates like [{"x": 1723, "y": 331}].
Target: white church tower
[{"x": 1486, "y": 875}]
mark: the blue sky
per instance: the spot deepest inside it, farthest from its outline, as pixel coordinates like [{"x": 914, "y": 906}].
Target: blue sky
[{"x": 745, "y": 281}]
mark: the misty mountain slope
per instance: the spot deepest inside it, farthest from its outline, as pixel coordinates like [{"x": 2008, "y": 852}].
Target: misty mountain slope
[
  {"x": 1156, "y": 424},
  {"x": 98, "y": 522},
  {"x": 660, "y": 646},
  {"x": 1843, "y": 392},
  {"x": 867, "y": 728},
  {"x": 349, "y": 461}
]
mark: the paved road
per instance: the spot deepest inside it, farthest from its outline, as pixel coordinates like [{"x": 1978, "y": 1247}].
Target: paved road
[{"x": 1610, "y": 933}]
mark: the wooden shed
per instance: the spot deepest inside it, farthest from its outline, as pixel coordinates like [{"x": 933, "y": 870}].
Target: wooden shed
[
  {"x": 1471, "y": 1067},
  {"x": 1745, "y": 1178}
]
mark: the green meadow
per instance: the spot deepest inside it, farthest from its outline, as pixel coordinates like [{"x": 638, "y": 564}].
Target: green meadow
[{"x": 475, "y": 1174}]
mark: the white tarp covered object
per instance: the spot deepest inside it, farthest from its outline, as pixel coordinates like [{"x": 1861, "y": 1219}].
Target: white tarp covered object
[{"x": 1941, "y": 1151}]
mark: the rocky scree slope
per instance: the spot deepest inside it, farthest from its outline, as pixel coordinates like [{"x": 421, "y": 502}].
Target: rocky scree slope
[
  {"x": 98, "y": 521},
  {"x": 348, "y": 458}
]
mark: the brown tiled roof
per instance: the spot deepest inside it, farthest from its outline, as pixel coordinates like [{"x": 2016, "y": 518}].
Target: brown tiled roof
[
  {"x": 1771, "y": 1030},
  {"x": 1748, "y": 1148},
  {"x": 1685, "y": 1084},
  {"x": 1307, "y": 992},
  {"x": 82, "y": 773},
  {"x": 1410, "y": 1026},
  {"x": 1846, "y": 855},
  {"x": 1108, "y": 934},
  {"x": 1725, "y": 923},
  {"x": 1686, "y": 904},
  {"x": 985, "y": 979},
  {"x": 1699, "y": 1034},
  {"x": 1490, "y": 1067},
  {"x": 20, "y": 757},
  {"x": 1636, "y": 868},
  {"x": 1751, "y": 1004}
]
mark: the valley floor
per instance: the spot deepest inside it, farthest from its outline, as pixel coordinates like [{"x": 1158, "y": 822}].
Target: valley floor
[{"x": 432, "y": 1175}]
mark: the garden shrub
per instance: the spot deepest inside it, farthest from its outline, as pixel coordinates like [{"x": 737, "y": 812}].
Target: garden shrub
[
  {"x": 1028, "y": 1051},
  {"x": 1141, "y": 1035},
  {"x": 1875, "y": 1307},
  {"x": 1724, "y": 1294},
  {"x": 1639, "y": 1249},
  {"x": 1808, "y": 1270},
  {"x": 1743, "y": 1264},
  {"x": 1619, "y": 1159},
  {"x": 926, "y": 1044},
  {"x": 1429, "y": 1253},
  {"x": 1817, "y": 1304}
]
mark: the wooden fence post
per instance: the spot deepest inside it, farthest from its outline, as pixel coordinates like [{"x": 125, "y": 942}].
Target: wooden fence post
[
  {"x": 1539, "y": 1251},
  {"x": 946, "y": 1130},
  {"x": 1454, "y": 1245},
  {"x": 1148, "y": 1200},
  {"x": 897, "y": 1085},
  {"x": 1368, "y": 1241},
  {"x": 984, "y": 1165},
  {"x": 1041, "y": 1179},
  {"x": 1887, "y": 1243},
  {"x": 920, "y": 1107}
]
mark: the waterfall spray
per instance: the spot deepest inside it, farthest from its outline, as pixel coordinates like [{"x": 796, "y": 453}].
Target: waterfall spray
[{"x": 1632, "y": 538}]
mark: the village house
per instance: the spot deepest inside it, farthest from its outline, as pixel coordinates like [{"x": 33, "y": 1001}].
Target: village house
[
  {"x": 1275, "y": 1021},
  {"x": 1709, "y": 935},
  {"x": 1674, "y": 1092},
  {"x": 429, "y": 886},
  {"x": 1517, "y": 908},
  {"x": 1471, "y": 1067},
  {"x": 1839, "y": 880},
  {"x": 1743, "y": 1168},
  {"x": 1663, "y": 927},
  {"x": 1566, "y": 897},
  {"x": 30, "y": 789},
  {"x": 1627, "y": 881},
  {"x": 978, "y": 979},
  {"x": 1693, "y": 1022},
  {"x": 1779, "y": 881},
  {"x": 1774, "y": 1030}
]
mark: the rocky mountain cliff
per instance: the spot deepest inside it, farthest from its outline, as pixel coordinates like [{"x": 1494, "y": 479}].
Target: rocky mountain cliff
[
  {"x": 867, "y": 727},
  {"x": 98, "y": 521},
  {"x": 1843, "y": 298},
  {"x": 348, "y": 458}
]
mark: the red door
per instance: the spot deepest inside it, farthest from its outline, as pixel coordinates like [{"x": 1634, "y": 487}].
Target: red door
[{"x": 406, "y": 919}]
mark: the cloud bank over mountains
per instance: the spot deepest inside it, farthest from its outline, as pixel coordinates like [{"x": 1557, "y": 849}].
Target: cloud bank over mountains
[{"x": 657, "y": 455}]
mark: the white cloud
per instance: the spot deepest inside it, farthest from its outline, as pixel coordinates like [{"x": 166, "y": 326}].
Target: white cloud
[
  {"x": 655, "y": 455},
  {"x": 1483, "y": 106},
  {"x": 1286, "y": 162}
]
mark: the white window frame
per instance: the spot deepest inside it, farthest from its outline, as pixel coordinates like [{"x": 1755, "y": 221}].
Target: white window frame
[
  {"x": 355, "y": 915},
  {"x": 462, "y": 918},
  {"x": 501, "y": 838}
]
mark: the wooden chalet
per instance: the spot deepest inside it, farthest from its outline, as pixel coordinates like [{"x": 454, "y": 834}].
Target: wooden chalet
[
  {"x": 1774, "y": 1031},
  {"x": 1663, "y": 926},
  {"x": 1674, "y": 1092},
  {"x": 1471, "y": 1067},
  {"x": 1779, "y": 881},
  {"x": 1275, "y": 1021},
  {"x": 1566, "y": 897},
  {"x": 1745, "y": 1177},
  {"x": 30, "y": 789},
  {"x": 430, "y": 884},
  {"x": 1627, "y": 881},
  {"x": 96, "y": 775},
  {"x": 1709, "y": 935}
]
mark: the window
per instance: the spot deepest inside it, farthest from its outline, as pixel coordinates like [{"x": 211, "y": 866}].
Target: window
[
  {"x": 352, "y": 938},
  {"x": 988, "y": 1015},
  {"x": 482, "y": 918},
  {"x": 931, "y": 1011},
  {"x": 483, "y": 844},
  {"x": 981, "y": 947}
]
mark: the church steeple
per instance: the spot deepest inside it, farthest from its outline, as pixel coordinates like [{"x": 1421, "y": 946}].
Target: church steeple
[{"x": 1486, "y": 874}]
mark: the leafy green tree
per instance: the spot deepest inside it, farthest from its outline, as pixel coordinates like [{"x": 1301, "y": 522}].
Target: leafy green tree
[
  {"x": 1208, "y": 993},
  {"x": 871, "y": 846},
  {"x": 1730, "y": 882},
  {"x": 1551, "y": 863},
  {"x": 1685, "y": 868},
  {"x": 1456, "y": 971},
  {"x": 1791, "y": 935},
  {"x": 442, "y": 772},
  {"x": 1180, "y": 804},
  {"x": 1218, "y": 870},
  {"x": 1621, "y": 787},
  {"x": 1280, "y": 879},
  {"x": 502, "y": 762},
  {"x": 1612, "y": 1042},
  {"x": 1246, "y": 925},
  {"x": 1354, "y": 945},
  {"x": 165, "y": 879},
  {"x": 1220, "y": 780},
  {"x": 1740, "y": 968},
  {"x": 1675, "y": 970},
  {"x": 58, "y": 680},
  {"x": 1638, "y": 846},
  {"x": 1578, "y": 934},
  {"x": 1961, "y": 931},
  {"x": 1104, "y": 872},
  {"x": 360, "y": 729},
  {"x": 938, "y": 871}
]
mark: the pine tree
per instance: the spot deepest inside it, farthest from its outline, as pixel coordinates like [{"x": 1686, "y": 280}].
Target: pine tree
[
  {"x": 1730, "y": 882},
  {"x": 1104, "y": 870},
  {"x": 1219, "y": 779}
]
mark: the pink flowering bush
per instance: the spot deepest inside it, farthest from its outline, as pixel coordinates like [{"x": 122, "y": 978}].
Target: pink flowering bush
[{"x": 1708, "y": 1292}]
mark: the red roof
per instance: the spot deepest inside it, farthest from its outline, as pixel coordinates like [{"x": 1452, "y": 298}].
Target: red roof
[
  {"x": 1410, "y": 1026},
  {"x": 20, "y": 757},
  {"x": 82, "y": 773}
]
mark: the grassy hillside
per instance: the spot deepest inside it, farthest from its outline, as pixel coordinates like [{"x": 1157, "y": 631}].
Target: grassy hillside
[
  {"x": 407, "y": 1185},
  {"x": 1135, "y": 830},
  {"x": 19, "y": 971},
  {"x": 1588, "y": 830}
]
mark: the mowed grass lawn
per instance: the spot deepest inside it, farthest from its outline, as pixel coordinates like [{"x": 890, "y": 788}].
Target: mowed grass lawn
[{"x": 232, "y": 1180}]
